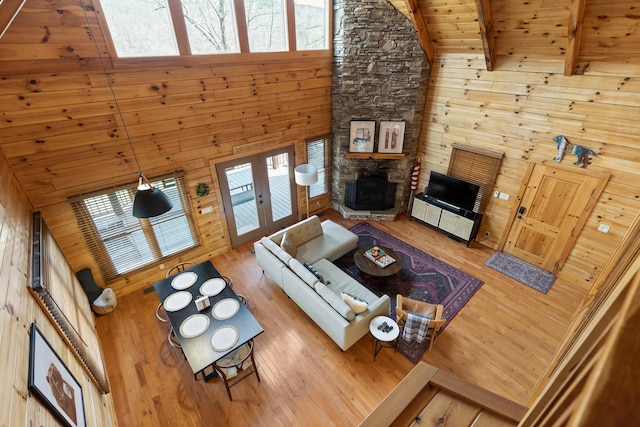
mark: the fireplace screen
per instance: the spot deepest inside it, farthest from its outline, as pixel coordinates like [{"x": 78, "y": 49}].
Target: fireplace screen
[{"x": 370, "y": 194}]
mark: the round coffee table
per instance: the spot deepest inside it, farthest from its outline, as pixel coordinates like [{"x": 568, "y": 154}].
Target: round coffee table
[{"x": 366, "y": 265}]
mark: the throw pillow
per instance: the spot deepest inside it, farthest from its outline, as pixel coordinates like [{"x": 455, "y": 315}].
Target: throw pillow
[
  {"x": 314, "y": 272},
  {"x": 288, "y": 245},
  {"x": 357, "y": 305}
]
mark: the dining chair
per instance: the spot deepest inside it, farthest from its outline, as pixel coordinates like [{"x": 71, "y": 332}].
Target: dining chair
[
  {"x": 405, "y": 305},
  {"x": 181, "y": 266},
  {"x": 237, "y": 366},
  {"x": 229, "y": 283}
]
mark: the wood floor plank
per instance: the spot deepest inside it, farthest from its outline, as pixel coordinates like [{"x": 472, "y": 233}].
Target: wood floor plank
[{"x": 501, "y": 340}]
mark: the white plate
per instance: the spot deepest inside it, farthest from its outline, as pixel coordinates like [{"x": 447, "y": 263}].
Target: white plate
[
  {"x": 212, "y": 287},
  {"x": 184, "y": 280},
  {"x": 194, "y": 325},
  {"x": 225, "y": 309},
  {"x": 177, "y": 301},
  {"x": 224, "y": 338}
]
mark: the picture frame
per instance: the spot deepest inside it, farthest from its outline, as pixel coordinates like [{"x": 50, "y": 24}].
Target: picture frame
[
  {"x": 391, "y": 137},
  {"x": 361, "y": 136},
  {"x": 52, "y": 382}
]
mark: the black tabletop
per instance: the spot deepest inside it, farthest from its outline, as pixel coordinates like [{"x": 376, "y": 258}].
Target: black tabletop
[{"x": 199, "y": 351}]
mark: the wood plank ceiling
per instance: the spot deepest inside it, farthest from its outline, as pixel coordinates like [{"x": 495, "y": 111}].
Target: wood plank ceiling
[{"x": 573, "y": 31}]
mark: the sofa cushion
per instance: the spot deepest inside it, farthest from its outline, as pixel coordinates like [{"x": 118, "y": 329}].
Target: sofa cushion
[
  {"x": 335, "y": 301},
  {"x": 357, "y": 305},
  {"x": 302, "y": 272},
  {"x": 288, "y": 245},
  {"x": 305, "y": 230},
  {"x": 314, "y": 272},
  {"x": 335, "y": 242},
  {"x": 338, "y": 281},
  {"x": 276, "y": 250}
]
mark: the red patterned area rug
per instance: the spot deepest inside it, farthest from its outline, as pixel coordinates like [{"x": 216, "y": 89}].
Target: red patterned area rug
[{"x": 422, "y": 277}]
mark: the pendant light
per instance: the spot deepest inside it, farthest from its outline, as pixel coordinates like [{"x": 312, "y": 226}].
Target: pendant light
[{"x": 148, "y": 201}]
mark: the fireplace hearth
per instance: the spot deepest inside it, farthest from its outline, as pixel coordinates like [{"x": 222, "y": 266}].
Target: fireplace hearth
[{"x": 370, "y": 193}]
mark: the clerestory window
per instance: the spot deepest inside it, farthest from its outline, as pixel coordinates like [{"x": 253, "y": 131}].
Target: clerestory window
[{"x": 147, "y": 28}]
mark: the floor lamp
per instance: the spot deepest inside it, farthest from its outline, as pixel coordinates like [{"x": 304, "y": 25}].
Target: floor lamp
[{"x": 306, "y": 175}]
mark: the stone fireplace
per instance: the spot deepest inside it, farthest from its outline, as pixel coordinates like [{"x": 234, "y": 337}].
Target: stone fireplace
[{"x": 380, "y": 74}]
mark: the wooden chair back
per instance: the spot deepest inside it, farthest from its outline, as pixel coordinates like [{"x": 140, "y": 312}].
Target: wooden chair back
[{"x": 434, "y": 311}]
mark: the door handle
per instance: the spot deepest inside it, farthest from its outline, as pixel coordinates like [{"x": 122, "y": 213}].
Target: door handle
[{"x": 521, "y": 211}]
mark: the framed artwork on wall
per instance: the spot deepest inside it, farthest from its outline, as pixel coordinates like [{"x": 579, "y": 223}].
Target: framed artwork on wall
[
  {"x": 51, "y": 381},
  {"x": 361, "y": 136},
  {"x": 391, "y": 137}
]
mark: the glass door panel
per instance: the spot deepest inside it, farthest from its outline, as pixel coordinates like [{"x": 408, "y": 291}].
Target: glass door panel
[
  {"x": 279, "y": 182},
  {"x": 258, "y": 194},
  {"x": 243, "y": 197}
]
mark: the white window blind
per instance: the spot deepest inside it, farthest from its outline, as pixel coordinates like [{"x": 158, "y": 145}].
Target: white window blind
[
  {"x": 477, "y": 166},
  {"x": 120, "y": 242},
  {"x": 318, "y": 155}
]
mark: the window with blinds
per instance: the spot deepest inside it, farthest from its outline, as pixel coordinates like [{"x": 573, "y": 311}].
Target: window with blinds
[
  {"x": 120, "y": 242},
  {"x": 477, "y": 166},
  {"x": 318, "y": 155}
]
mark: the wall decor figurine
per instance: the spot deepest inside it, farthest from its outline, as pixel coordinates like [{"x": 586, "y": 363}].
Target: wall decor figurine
[
  {"x": 562, "y": 144},
  {"x": 582, "y": 154}
]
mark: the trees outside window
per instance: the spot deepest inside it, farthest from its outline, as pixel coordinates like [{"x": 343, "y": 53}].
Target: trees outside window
[{"x": 146, "y": 28}]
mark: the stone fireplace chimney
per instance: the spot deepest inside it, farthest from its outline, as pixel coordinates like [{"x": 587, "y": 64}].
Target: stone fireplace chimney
[{"x": 380, "y": 74}]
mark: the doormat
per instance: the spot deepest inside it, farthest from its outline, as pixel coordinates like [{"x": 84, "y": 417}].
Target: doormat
[
  {"x": 422, "y": 277},
  {"x": 532, "y": 276}
]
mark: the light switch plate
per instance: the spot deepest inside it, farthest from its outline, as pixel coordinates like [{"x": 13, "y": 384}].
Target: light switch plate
[
  {"x": 604, "y": 228},
  {"x": 504, "y": 196}
]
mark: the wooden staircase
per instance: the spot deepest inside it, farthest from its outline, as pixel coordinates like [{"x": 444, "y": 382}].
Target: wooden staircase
[{"x": 430, "y": 396}]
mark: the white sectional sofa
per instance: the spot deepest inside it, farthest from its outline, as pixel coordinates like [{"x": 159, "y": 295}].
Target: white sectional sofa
[{"x": 319, "y": 295}]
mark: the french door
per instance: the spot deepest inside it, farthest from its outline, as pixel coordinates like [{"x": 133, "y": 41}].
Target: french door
[{"x": 258, "y": 194}]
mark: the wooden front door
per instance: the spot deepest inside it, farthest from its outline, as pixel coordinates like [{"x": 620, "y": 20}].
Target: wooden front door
[{"x": 554, "y": 208}]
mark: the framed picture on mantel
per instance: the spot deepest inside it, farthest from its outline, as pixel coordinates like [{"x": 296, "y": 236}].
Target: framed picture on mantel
[
  {"x": 361, "y": 136},
  {"x": 391, "y": 137}
]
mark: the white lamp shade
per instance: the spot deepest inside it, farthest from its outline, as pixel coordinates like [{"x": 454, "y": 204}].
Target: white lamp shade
[{"x": 306, "y": 174}]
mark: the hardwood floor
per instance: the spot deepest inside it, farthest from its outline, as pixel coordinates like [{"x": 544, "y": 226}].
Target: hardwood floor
[{"x": 501, "y": 340}]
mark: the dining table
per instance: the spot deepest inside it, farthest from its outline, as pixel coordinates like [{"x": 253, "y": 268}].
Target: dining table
[{"x": 205, "y": 334}]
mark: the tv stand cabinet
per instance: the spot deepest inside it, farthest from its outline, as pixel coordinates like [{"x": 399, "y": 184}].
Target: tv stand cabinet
[{"x": 459, "y": 223}]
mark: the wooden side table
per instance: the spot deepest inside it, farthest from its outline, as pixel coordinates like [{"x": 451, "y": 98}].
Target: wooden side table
[{"x": 383, "y": 338}]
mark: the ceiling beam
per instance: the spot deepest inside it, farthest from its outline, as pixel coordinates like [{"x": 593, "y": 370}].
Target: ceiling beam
[
  {"x": 574, "y": 35},
  {"x": 486, "y": 32},
  {"x": 418, "y": 21},
  {"x": 8, "y": 10}
]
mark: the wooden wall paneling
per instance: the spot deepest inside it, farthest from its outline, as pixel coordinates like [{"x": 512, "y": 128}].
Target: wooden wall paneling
[
  {"x": 18, "y": 309},
  {"x": 178, "y": 119},
  {"x": 522, "y": 113},
  {"x": 8, "y": 11}
]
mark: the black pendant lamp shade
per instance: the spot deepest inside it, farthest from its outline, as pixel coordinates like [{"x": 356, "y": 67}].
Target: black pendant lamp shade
[{"x": 149, "y": 201}]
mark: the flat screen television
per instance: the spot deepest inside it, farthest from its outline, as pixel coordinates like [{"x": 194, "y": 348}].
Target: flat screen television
[{"x": 453, "y": 191}]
